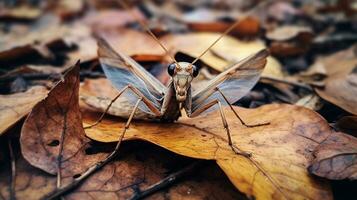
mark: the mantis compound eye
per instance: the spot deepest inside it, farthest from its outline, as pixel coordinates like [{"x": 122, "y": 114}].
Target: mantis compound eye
[
  {"x": 171, "y": 69},
  {"x": 195, "y": 71}
]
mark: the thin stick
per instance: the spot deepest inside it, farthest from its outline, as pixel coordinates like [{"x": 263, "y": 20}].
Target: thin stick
[
  {"x": 13, "y": 171},
  {"x": 76, "y": 182},
  {"x": 215, "y": 42},
  {"x": 125, "y": 6},
  {"x": 59, "y": 156},
  {"x": 167, "y": 181}
]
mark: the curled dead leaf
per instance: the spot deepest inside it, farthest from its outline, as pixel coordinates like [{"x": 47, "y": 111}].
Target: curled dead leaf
[
  {"x": 284, "y": 33},
  {"x": 208, "y": 20},
  {"x": 37, "y": 41},
  {"x": 293, "y": 133},
  {"x": 290, "y": 40},
  {"x": 336, "y": 158},
  {"x": 15, "y": 106},
  {"x": 52, "y": 135},
  {"x": 311, "y": 101},
  {"x": 281, "y": 10},
  {"x": 340, "y": 86},
  {"x": 67, "y": 9}
]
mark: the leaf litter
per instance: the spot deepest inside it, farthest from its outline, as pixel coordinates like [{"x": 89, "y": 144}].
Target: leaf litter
[{"x": 312, "y": 65}]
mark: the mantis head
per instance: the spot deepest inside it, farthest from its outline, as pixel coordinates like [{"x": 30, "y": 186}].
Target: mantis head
[{"x": 182, "y": 74}]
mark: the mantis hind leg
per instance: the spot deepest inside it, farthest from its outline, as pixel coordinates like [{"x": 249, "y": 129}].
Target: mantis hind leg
[
  {"x": 121, "y": 136},
  {"x": 236, "y": 114},
  {"x": 225, "y": 125}
]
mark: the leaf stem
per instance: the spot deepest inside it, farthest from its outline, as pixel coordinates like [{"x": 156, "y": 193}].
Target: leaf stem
[
  {"x": 169, "y": 180},
  {"x": 13, "y": 171}
]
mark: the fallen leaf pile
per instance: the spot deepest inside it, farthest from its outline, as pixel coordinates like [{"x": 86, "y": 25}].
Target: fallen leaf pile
[{"x": 52, "y": 88}]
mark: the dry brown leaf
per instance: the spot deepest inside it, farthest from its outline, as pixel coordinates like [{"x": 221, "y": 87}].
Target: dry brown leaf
[
  {"x": 56, "y": 117},
  {"x": 31, "y": 183},
  {"x": 286, "y": 49},
  {"x": 203, "y": 19},
  {"x": 15, "y": 106},
  {"x": 133, "y": 43},
  {"x": 140, "y": 166},
  {"x": 341, "y": 82},
  {"x": 315, "y": 72},
  {"x": 290, "y": 40},
  {"x": 286, "y": 143},
  {"x": 311, "y": 101},
  {"x": 33, "y": 69},
  {"x": 48, "y": 29},
  {"x": 280, "y": 10},
  {"x": 211, "y": 183},
  {"x": 35, "y": 41},
  {"x": 204, "y": 15},
  {"x": 103, "y": 19},
  {"x": 86, "y": 45},
  {"x": 248, "y": 26},
  {"x": 137, "y": 44},
  {"x": 67, "y": 9},
  {"x": 100, "y": 87},
  {"x": 336, "y": 158},
  {"x": 19, "y": 13},
  {"x": 284, "y": 33}
]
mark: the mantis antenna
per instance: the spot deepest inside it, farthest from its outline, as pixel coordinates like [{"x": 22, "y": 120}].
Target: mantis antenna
[
  {"x": 260, "y": 5},
  {"x": 141, "y": 22},
  {"x": 215, "y": 42}
]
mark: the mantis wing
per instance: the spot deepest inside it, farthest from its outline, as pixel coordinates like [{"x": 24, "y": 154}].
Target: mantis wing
[
  {"x": 121, "y": 70},
  {"x": 234, "y": 83}
]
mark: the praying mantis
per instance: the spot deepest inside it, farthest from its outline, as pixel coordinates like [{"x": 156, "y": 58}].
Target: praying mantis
[{"x": 148, "y": 95}]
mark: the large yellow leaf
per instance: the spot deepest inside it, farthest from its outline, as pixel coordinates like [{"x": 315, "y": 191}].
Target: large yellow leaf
[{"x": 280, "y": 151}]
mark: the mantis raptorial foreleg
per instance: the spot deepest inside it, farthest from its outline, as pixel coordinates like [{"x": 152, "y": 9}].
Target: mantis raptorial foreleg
[
  {"x": 148, "y": 103},
  {"x": 225, "y": 125}
]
